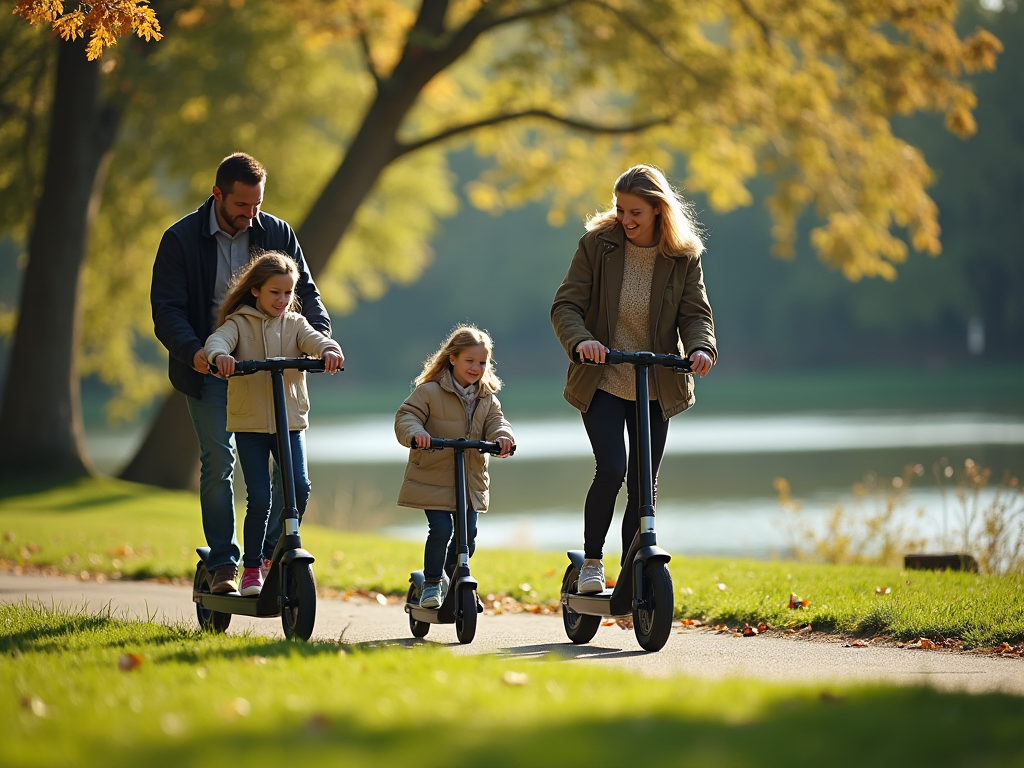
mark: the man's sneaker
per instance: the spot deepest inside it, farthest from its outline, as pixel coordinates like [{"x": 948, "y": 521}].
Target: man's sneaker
[
  {"x": 224, "y": 580},
  {"x": 591, "y": 578},
  {"x": 432, "y": 595},
  {"x": 252, "y": 582},
  {"x": 265, "y": 568}
]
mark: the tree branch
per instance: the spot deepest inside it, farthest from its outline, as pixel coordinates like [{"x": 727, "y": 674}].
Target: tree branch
[
  {"x": 644, "y": 32},
  {"x": 364, "y": 42},
  {"x": 542, "y": 114},
  {"x": 766, "y": 31}
]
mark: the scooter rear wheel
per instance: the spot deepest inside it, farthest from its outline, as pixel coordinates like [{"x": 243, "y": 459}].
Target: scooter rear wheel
[
  {"x": 465, "y": 615},
  {"x": 418, "y": 628},
  {"x": 579, "y": 627},
  {"x": 652, "y": 621},
  {"x": 209, "y": 621},
  {"x": 298, "y": 616}
]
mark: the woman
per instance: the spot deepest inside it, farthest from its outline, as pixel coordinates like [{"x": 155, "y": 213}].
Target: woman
[{"x": 635, "y": 284}]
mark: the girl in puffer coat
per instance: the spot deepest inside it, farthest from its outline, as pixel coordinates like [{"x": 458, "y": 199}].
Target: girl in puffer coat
[
  {"x": 257, "y": 321},
  {"x": 454, "y": 397}
]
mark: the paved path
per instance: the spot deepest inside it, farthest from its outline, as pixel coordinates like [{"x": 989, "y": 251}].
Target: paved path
[{"x": 697, "y": 653}]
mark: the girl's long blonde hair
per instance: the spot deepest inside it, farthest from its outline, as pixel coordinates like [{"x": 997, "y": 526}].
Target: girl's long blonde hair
[
  {"x": 255, "y": 274},
  {"x": 461, "y": 338},
  {"x": 679, "y": 232}
]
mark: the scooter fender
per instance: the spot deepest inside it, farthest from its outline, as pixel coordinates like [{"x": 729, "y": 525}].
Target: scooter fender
[
  {"x": 576, "y": 557},
  {"x": 204, "y": 553},
  {"x": 652, "y": 553},
  {"x": 291, "y": 555}
]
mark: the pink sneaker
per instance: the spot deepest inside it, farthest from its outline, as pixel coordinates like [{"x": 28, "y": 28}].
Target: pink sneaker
[
  {"x": 265, "y": 568},
  {"x": 252, "y": 582}
]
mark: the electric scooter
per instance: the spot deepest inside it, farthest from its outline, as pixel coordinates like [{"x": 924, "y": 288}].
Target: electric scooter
[
  {"x": 289, "y": 590},
  {"x": 644, "y": 587},
  {"x": 460, "y": 604}
]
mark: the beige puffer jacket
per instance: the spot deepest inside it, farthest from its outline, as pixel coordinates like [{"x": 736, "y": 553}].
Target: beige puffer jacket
[
  {"x": 437, "y": 409},
  {"x": 248, "y": 334}
]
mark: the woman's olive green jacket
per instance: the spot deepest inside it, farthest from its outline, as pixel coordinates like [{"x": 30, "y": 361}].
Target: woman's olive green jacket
[{"x": 586, "y": 307}]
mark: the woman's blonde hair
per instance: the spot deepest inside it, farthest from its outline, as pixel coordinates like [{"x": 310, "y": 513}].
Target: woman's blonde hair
[
  {"x": 679, "y": 232},
  {"x": 254, "y": 275},
  {"x": 463, "y": 337}
]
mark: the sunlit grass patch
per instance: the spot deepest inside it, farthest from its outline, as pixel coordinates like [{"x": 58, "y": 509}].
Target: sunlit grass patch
[{"x": 80, "y": 690}]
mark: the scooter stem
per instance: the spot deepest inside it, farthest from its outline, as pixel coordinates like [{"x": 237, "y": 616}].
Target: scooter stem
[
  {"x": 290, "y": 514},
  {"x": 461, "y": 514},
  {"x": 643, "y": 438}
]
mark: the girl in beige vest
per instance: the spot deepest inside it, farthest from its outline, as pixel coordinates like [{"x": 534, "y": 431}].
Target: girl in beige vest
[
  {"x": 256, "y": 321},
  {"x": 454, "y": 397}
]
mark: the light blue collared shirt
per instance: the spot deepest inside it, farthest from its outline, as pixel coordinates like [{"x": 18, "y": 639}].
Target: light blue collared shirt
[{"x": 232, "y": 256}]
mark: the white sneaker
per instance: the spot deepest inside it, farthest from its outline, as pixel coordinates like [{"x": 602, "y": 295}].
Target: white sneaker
[{"x": 591, "y": 578}]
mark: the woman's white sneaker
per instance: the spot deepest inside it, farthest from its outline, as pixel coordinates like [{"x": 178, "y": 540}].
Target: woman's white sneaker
[{"x": 591, "y": 578}]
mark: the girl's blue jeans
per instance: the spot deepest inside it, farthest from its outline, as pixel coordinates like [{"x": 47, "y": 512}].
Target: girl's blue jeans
[
  {"x": 441, "y": 552},
  {"x": 254, "y": 452}
]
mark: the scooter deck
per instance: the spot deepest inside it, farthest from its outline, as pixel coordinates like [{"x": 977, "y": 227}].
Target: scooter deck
[
  {"x": 234, "y": 603},
  {"x": 593, "y": 604},
  {"x": 432, "y": 615}
]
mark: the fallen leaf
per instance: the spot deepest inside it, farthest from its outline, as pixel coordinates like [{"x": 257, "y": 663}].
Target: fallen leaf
[
  {"x": 858, "y": 643},
  {"x": 762, "y": 627},
  {"x": 36, "y": 705},
  {"x": 749, "y": 631},
  {"x": 883, "y": 590},
  {"x": 549, "y": 572},
  {"x": 382, "y": 599},
  {"x": 129, "y": 661},
  {"x": 525, "y": 587},
  {"x": 531, "y": 608},
  {"x": 609, "y": 583},
  {"x": 608, "y": 623},
  {"x": 796, "y": 602},
  {"x": 624, "y": 622},
  {"x": 515, "y": 678}
]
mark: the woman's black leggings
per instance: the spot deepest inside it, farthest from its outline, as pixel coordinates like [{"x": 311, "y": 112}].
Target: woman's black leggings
[{"x": 604, "y": 421}]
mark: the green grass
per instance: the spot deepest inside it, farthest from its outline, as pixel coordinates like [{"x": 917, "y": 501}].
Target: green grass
[
  {"x": 209, "y": 700},
  {"x": 129, "y": 531}
]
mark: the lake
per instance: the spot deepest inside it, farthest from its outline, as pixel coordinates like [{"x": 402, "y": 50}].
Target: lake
[{"x": 716, "y": 490}]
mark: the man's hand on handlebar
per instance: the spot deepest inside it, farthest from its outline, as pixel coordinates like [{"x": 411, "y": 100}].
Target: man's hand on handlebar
[
  {"x": 593, "y": 351},
  {"x": 700, "y": 362},
  {"x": 421, "y": 440},
  {"x": 333, "y": 361},
  {"x": 224, "y": 366},
  {"x": 506, "y": 447},
  {"x": 200, "y": 363}
]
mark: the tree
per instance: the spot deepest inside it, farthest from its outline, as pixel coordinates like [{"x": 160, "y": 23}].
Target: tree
[{"x": 801, "y": 92}]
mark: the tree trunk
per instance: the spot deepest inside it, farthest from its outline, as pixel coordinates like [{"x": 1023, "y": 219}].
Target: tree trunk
[
  {"x": 169, "y": 456},
  {"x": 40, "y": 415}
]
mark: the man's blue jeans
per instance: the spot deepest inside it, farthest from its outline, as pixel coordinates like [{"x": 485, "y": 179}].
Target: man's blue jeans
[
  {"x": 254, "y": 451},
  {"x": 217, "y": 463},
  {"x": 441, "y": 552}
]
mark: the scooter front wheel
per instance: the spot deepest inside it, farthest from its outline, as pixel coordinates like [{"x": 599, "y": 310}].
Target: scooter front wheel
[
  {"x": 652, "y": 619},
  {"x": 579, "y": 627},
  {"x": 465, "y": 615},
  {"x": 209, "y": 621},
  {"x": 299, "y": 612},
  {"x": 418, "y": 628}
]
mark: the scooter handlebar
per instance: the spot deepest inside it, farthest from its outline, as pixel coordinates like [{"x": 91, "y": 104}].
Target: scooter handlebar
[
  {"x": 617, "y": 357},
  {"x": 461, "y": 444},
  {"x": 308, "y": 364}
]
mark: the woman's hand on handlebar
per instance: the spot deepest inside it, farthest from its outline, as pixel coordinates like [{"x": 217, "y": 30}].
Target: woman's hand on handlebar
[
  {"x": 421, "y": 440},
  {"x": 592, "y": 350},
  {"x": 225, "y": 365},
  {"x": 700, "y": 362},
  {"x": 333, "y": 361},
  {"x": 506, "y": 447}
]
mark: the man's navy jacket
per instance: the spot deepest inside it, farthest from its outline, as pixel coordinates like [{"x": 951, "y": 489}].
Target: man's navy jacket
[{"x": 182, "y": 292}]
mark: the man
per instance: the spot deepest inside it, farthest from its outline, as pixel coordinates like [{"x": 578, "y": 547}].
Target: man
[{"x": 197, "y": 258}]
